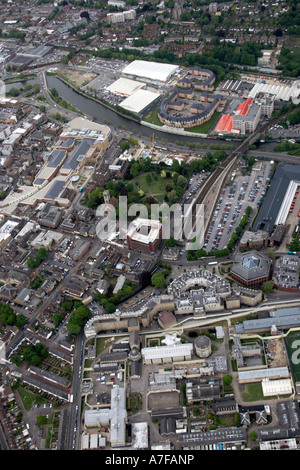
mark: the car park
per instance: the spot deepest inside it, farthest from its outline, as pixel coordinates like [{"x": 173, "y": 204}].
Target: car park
[{"x": 245, "y": 190}]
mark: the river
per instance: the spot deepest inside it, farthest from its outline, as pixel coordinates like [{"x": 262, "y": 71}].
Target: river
[
  {"x": 104, "y": 114},
  {"x": 21, "y": 84}
]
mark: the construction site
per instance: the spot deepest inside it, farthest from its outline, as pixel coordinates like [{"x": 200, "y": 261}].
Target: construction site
[{"x": 275, "y": 352}]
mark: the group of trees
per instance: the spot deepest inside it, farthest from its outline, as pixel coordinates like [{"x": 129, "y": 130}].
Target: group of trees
[
  {"x": 295, "y": 243},
  {"x": 288, "y": 147},
  {"x": 176, "y": 177},
  {"x": 292, "y": 118},
  {"x": 8, "y": 316},
  {"x": 65, "y": 307},
  {"x": 158, "y": 279},
  {"x": 109, "y": 303},
  {"x": 219, "y": 59},
  {"x": 34, "y": 354},
  {"x": 35, "y": 262},
  {"x": 240, "y": 54},
  {"x": 36, "y": 282},
  {"x": 77, "y": 319},
  {"x": 289, "y": 62}
]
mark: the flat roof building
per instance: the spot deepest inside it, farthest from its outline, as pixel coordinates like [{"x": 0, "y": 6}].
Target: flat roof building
[
  {"x": 140, "y": 102},
  {"x": 277, "y": 201},
  {"x": 125, "y": 87},
  {"x": 152, "y": 70},
  {"x": 167, "y": 354},
  {"x": 144, "y": 235}
]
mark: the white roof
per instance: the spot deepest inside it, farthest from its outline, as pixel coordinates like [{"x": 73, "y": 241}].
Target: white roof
[
  {"x": 281, "y": 92},
  {"x": 8, "y": 226},
  {"x": 139, "y": 100},
  {"x": 182, "y": 349},
  {"x": 139, "y": 435},
  {"x": 124, "y": 86},
  {"x": 138, "y": 224},
  {"x": 152, "y": 70},
  {"x": 276, "y": 387}
]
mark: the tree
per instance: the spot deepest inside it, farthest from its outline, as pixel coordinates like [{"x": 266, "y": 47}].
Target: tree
[
  {"x": 158, "y": 279},
  {"x": 267, "y": 286},
  {"x": 124, "y": 145},
  {"x": 181, "y": 181},
  {"x": 170, "y": 243},
  {"x": 172, "y": 196},
  {"x": 135, "y": 169},
  {"x": 20, "y": 320},
  {"x": 227, "y": 379},
  {"x": 77, "y": 318}
]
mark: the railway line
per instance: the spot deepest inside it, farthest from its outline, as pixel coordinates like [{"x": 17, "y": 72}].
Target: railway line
[{"x": 223, "y": 168}]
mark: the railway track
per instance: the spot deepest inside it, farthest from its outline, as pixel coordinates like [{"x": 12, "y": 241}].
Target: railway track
[{"x": 227, "y": 163}]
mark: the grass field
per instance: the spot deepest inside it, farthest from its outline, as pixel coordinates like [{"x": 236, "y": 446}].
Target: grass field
[
  {"x": 30, "y": 399},
  {"x": 206, "y": 127},
  {"x": 253, "y": 392},
  {"x": 153, "y": 118},
  {"x": 156, "y": 188},
  {"x": 293, "y": 350}
]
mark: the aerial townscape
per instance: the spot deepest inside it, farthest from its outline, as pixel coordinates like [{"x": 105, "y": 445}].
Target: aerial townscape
[{"x": 149, "y": 227}]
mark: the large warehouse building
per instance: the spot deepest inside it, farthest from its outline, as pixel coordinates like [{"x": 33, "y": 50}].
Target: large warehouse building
[
  {"x": 151, "y": 70},
  {"x": 125, "y": 87},
  {"x": 277, "y": 202},
  {"x": 140, "y": 102},
  {"x": 281, "y": 92}
]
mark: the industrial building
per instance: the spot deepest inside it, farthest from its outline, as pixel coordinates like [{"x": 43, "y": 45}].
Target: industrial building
[
  {"x": 254, "y": 240},
  {"x": 280, "y": 91},
  {"x": 279, "y": 198},
  {"x": 125, "y": 87},
  {"x": 80, "y": 143},
  {"x": 150, "y": 70},
  {"x": 258, "y": 375},
  {"x": 280, "y": 319},
  {"x": 140, "y": 102},
  {"x": 115, "y": 417},
  {"x": 243, "y": 120},
  {"x": 121, "y": 17},
  {"x": 276, "y": 387}
]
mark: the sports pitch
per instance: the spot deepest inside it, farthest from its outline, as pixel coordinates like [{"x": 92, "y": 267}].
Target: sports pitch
[{"x": 293, "y": 352}]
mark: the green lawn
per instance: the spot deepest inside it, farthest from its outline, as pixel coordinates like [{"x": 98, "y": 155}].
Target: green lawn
[
  {"x": 205, "y": 128},
  {"x": 253, "y": 393},
  {"x": 153, "y": 118},
  {"x": 29, "y": 399},
  {"x": 101, "y": 345},
  {"x": 156, "y": 188},
  {"x": 292, "y": 346}
]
